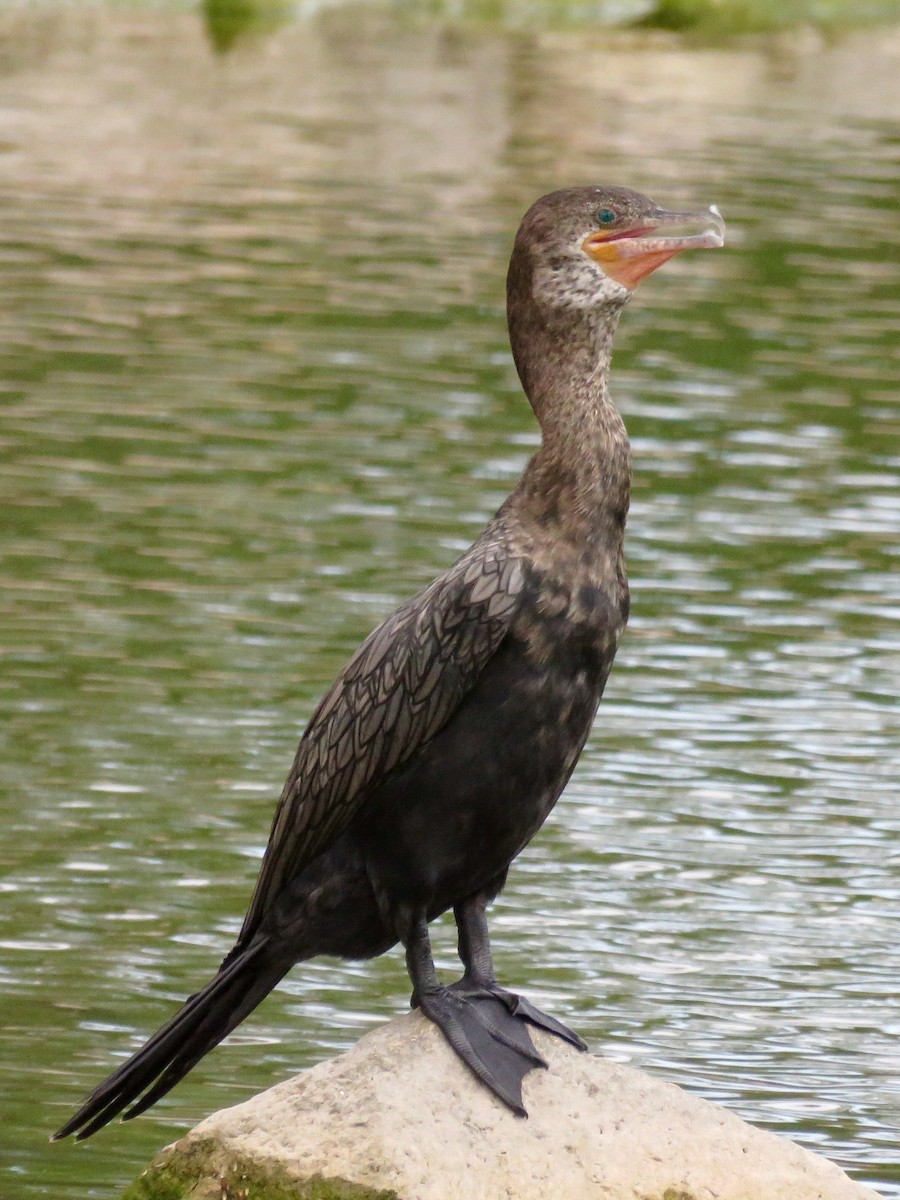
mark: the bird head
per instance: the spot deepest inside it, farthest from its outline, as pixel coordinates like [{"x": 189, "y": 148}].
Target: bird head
[{"x": 590, "y": 247}]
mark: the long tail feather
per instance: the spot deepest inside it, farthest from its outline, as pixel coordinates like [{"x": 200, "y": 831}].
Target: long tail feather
[{"x": 201, "y": 1023}]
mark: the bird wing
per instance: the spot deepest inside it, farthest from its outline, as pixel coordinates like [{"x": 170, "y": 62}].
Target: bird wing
[{"x": 402, "y": 685}]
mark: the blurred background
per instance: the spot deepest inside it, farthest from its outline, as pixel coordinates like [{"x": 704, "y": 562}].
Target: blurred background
[{"x": 256, "y": 389}]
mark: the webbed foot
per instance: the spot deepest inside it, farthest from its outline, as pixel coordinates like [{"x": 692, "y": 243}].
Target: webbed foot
[
  {"x": 486, "y": 1025},
  {"x": 522, "y": 1008},
  {"x": 488, "y": 1036}
]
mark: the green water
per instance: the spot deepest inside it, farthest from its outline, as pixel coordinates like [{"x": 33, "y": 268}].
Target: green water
[{"x": 256, "y": 389}]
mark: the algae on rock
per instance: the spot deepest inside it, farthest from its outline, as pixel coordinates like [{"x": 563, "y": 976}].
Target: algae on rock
[{"x": 204, "y": 1171}]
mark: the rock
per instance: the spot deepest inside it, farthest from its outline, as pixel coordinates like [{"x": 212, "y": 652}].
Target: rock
[{"x": 399, "y": 1118}]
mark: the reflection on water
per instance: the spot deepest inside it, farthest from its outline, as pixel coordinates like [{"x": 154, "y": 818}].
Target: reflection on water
[
  {"x": 256, "y": 389},
  {"x": 231, "y": 21}
]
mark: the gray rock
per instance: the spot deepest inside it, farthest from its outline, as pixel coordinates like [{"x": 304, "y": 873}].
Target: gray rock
[{"x": 400, "y": 1116}]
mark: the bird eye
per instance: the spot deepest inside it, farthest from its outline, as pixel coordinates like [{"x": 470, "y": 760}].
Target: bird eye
[{"x": 606, "y": 216}]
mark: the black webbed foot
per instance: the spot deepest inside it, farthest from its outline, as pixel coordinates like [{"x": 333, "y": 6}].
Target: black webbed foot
[
  {"x": 491, "y": 1040},
  {"x": 486, "y": 1025},
  {"x": 522, "y": 1008},
  {"x": 479, "y": 978}
]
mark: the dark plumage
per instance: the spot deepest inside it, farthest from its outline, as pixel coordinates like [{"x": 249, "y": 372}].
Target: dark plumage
[{"x": 446, "y": 740}]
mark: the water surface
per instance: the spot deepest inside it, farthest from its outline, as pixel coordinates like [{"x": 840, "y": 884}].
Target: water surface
[{"x": 256, "y": 390}]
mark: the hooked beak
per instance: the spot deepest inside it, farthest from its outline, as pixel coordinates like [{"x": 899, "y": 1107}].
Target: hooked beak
[{"x": 628, "y": 255}]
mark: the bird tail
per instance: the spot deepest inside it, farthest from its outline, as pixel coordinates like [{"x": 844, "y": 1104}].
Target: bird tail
[{"x": 245, "y": 978}]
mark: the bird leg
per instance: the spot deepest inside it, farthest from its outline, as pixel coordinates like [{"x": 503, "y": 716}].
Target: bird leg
[
  {"x": 479, "y": 979},
  {"x": 494, "y": 1045}
]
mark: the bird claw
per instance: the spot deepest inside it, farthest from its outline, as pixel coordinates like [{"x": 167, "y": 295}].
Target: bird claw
[{"x": 529, "y": 1012}]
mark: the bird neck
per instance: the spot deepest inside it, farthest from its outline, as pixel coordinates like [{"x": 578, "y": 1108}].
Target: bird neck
[{"x": 580, "y": 479}]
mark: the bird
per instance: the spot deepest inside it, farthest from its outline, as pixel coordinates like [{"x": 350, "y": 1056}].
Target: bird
[{"x": 448, "y": 737}]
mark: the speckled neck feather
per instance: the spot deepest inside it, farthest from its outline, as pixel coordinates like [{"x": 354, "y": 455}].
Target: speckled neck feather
[{"x": 581, "y": 476}]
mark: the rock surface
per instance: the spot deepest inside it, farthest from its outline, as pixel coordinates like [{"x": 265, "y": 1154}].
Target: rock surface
[{"x": 399, "y": 1116}]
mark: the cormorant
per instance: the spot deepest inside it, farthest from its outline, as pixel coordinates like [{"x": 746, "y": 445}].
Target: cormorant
[{"x": 447, "y": 738}]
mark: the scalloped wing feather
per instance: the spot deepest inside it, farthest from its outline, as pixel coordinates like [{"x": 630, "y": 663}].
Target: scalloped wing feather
[{"x": 402, "y": 685}]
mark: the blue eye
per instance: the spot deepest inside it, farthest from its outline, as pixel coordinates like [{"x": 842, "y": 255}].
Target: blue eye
[{"x": 606, "y": 216}]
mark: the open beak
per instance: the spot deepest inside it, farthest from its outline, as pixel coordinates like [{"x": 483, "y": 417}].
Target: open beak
[{"x": 627, "y": 255}]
